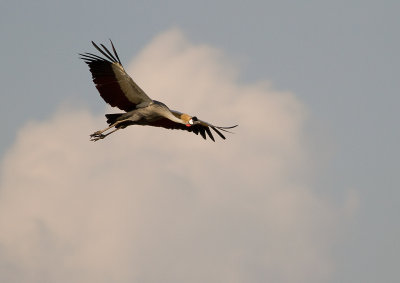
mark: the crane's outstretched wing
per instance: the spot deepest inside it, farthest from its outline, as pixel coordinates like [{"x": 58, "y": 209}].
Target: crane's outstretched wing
[
  {"x": 115, "y": 86},
  {"x": 200, "y": 127}
]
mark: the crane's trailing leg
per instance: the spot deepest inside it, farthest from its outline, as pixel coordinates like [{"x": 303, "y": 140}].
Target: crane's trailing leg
[{"x": 99, "y": 134}]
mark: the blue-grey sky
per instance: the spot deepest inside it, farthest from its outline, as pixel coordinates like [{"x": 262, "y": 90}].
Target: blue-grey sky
[{"x": 338, "y": 58}]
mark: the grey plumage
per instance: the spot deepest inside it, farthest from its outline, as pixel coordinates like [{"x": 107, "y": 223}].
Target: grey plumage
[{"x": 118, "y": 89}]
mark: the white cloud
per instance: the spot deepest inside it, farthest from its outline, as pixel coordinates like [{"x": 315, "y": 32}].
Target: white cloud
[{"x": 151, "y": 205}]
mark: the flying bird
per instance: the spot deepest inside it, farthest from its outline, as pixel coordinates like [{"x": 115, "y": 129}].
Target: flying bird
[{"x": 118, "y": 89}]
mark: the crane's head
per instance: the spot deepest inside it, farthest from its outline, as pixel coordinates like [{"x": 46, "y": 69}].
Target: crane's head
[{"x": 192, "y": 121}]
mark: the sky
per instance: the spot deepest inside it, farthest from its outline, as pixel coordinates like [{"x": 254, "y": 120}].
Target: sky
[{"x": 305, "y": 190}]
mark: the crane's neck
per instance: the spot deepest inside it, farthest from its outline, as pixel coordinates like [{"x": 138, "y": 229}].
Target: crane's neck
[
  {"x": 173, "y": 118},
  {"x": 166, "y": 112}
]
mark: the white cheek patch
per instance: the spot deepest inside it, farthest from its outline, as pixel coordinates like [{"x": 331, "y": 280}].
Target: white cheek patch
[{"x": 191, "y": 122}]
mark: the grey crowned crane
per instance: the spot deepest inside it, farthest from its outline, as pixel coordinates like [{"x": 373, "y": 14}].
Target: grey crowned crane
[{"x": 118, "y": 89}]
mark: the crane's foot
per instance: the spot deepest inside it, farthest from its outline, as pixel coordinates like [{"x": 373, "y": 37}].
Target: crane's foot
[
  {"x": 96, "y": 136},
  {"x": 97, "y": 133}
]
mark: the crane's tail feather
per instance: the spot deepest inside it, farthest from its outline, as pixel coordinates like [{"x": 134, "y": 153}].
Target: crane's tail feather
[{"x": 112, "y": 118}]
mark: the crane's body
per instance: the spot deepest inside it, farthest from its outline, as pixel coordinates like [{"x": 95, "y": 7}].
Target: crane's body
[{"x": 118, "y": 89}]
